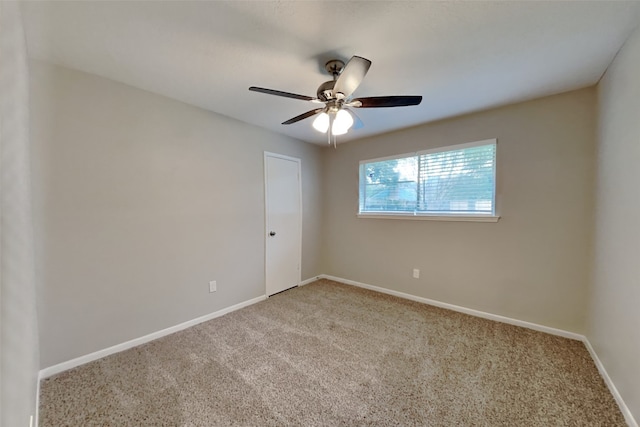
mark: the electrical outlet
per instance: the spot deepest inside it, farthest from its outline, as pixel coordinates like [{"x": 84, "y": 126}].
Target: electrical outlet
[
  {"x": 416, "y": 273},
  {"x": 213, "y": 286}
]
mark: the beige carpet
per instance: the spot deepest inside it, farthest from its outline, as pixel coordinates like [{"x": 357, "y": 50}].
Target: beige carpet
[{"x": 328, "y": 354}]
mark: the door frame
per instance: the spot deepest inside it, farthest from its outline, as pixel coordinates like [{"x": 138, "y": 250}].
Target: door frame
[{"x": 267, "y": 155}]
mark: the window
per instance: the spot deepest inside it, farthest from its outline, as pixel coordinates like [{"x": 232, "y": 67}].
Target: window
[{"x": 455, "y": 183}]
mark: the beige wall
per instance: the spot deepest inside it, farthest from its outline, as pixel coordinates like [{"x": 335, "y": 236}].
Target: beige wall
[
  {"x": 614, "y": 322},
  {"x": 532, "y": 265},
  {"x": 140, "y": 201}
]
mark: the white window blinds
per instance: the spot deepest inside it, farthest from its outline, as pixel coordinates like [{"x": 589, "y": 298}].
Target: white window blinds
[{"x": 457, "y": 180}]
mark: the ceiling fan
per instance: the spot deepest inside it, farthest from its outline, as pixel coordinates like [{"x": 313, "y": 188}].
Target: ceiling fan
[{"x": 336, "y": 116}]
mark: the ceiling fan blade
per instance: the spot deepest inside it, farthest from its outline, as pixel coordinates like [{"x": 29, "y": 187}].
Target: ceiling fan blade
[
  {"x": 303, "y": 116},
  {"x": 281, "y": 93},
  {"x": 351, "y": 76},
  {"x": 385, "y": 101}
]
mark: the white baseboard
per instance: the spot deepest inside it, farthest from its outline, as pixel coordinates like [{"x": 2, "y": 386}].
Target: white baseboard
[
  {"x": 310, "y": 280},
  {"x": 553, "y": 331},
  {"x": 64, "y": 366},
  {"x": 612, "y": 388},
  {"x": 470, "y": 311}
]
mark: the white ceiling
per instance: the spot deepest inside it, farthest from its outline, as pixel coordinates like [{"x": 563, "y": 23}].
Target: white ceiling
[{"x": 460, "y": 56}]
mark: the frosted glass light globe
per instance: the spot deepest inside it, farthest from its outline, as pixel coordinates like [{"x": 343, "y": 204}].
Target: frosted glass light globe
[
  {"x": 321, "y": 123},
  {"x": 342, "y": 123}
]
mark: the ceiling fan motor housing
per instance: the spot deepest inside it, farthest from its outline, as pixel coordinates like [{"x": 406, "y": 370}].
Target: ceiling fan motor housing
[{"x": 325, "y": 91}]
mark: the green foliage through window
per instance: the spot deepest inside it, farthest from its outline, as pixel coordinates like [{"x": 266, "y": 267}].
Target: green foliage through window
[{"x": 457, "y": 180}]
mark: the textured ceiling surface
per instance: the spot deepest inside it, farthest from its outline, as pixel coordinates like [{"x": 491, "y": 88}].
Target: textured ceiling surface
[{"x": 460, "y": 56}]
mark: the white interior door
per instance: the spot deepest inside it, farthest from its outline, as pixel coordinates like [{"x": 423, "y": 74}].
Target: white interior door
[{"x": 283, "y": 212}]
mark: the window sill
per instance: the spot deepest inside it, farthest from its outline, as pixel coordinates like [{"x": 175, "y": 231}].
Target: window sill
[{"x": 455, "y": 218}]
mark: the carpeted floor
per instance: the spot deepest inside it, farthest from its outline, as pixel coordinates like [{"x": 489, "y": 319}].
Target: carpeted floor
[{"x": 328, "y": 354}]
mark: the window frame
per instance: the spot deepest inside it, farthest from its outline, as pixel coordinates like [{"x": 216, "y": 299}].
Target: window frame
[{"x": 444, "y": 216}]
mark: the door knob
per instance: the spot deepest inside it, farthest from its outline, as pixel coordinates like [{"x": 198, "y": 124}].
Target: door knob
[{"x": 272, "y": 233}]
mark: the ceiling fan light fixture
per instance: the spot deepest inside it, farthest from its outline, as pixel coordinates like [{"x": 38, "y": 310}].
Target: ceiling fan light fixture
[
  {"x": 342, "y": 123},
  {"x": 321, "y": 123}
]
